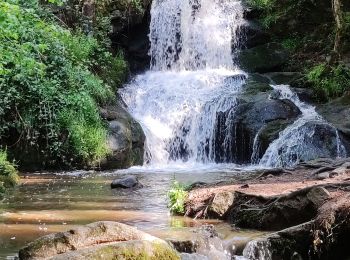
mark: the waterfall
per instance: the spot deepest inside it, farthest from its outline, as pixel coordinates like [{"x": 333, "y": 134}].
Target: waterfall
[
  {"x": 297, "y": 141},
  {"x": 187, "y": 101},
  {"x": 192, "y": 80}
]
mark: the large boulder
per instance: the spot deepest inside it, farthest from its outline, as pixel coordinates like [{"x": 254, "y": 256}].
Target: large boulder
[
  {"x": 255, "y": 111},
  {"x": 263, "y": 58},
  {"x": 337, "y": 112},
  {"x": 305, "y": 141},
  {"x": 100, "y": 240},
  {"x": 125, "y": 139},
  {"x": 291, "y": 243}
]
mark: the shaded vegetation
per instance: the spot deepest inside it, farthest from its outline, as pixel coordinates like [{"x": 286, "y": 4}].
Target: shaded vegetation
[
  {"x": 8, "y": 174},
  {"x": 331, "y": 81},
  {"x": 51, "y": 87},
  {"x": 310, "y": 31}
]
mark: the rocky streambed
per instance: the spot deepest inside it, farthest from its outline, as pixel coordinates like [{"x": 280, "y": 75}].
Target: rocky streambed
[
  {"x": 301, "y": 213},
  {"x": 307, "y": 208}
]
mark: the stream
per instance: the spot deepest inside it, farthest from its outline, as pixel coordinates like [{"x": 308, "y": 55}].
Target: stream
[
  {"x": 48, "y": 203},
  {"x": 193, "y": 78}
]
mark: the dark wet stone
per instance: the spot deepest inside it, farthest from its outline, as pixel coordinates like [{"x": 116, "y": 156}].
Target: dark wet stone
[{"x": 126, "y": 183}]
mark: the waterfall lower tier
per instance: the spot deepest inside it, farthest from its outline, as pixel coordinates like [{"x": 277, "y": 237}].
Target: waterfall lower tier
[{"x": 180, "y": 113}]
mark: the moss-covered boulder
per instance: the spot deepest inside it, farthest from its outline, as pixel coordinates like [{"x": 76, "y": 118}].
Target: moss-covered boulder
[
  {"x": 125, "y": 138},
  {"x": 100, "y": 240},
  {"x": 8, "y": 174},
  {"x": 263, "y": 58}
]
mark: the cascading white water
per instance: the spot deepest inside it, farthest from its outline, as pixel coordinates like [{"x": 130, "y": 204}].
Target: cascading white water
[
  {"x": 296, "y": 142},
  {"x": 186, "y": 103},
  {"x": 194, "y": 34},
  {"x": 192, "y": 79}
]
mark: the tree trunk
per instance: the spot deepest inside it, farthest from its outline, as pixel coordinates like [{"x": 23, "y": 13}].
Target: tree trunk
[{"x": 340, "y": 28}]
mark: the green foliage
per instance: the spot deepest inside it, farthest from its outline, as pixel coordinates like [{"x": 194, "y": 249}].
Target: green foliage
[
  {"x": 8, "y": 173},
  {"x": 329, "y": 81},
  {"x": 50, "y": 88},
  {"x": 270, "y": 14},
  {"x": 177, "y": 196},
  {"x": 136, "y": 4},
  {"x": 292, "y": 44}
]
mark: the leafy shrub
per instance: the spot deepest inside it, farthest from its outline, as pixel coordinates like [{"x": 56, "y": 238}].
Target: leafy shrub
[
  {"x": 330, "y": 81},
  {"x": 177, "y": 196},
  {"x": 51, "y": 87},
  {"x": 8, "y": 173}
]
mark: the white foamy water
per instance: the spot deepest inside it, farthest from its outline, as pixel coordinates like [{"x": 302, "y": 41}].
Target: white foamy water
[
  {"x": 298, "y": 141},
  {"x": 192, "y": 79},
  {"x": 194, "y": 34},
  {"x": 186, "y": 103}
]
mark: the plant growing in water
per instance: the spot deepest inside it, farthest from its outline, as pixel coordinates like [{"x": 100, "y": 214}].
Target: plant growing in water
[{"x": 177, "y": 196}]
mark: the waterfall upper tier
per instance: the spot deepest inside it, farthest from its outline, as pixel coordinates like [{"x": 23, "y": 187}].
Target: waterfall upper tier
[{"x": 194, "y": 34}]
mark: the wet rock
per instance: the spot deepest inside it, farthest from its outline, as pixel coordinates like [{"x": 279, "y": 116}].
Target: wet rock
[
  {"x": 221, "y": 203},
  {"x": 283, "y": 78},
  {"x": 263, "y": 58},
  {"x": 337, "y": 112},
  {"x": 100, "y": 240},
  {"x": 309, "y": 240},
  {"x": 126, "y": 183},
  {"x": 281, "y": 245},
  {"x": 305, "y": 94},
  {"x": 125, "y": 138},
  {"x": 255, "y": 110},
  {"x": 184, "y": 246},
  {"x": 254, "y": 35},
  {"x": 320, "y": 141}
]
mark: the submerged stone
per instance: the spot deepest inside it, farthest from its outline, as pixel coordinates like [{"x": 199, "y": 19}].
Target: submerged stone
[{"x": 126, "y": 183}]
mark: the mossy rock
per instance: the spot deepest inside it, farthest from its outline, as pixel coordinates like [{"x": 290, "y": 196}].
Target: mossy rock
[
  {"x": 256, "y": 83},
  {"x": 125, "y": 138},
  {"x": 119, "y": 241},
  {"x": 130, "y": 250},
  {"x": 8, "y": 173}
]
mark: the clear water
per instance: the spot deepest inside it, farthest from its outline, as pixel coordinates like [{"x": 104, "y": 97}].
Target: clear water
[{"x": 49, "y": 203}]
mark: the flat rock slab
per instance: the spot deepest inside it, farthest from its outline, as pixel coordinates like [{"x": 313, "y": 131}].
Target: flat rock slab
[{"x": 99, "y": 240}]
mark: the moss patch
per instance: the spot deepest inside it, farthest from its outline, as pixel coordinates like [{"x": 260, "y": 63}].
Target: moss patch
[{"x": 8, "y": 174}]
